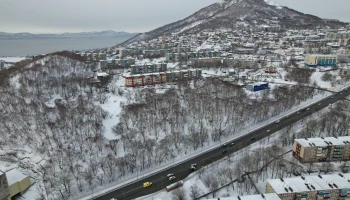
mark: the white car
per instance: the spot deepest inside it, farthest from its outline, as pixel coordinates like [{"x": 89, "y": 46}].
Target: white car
[
  {"x": 268, "y": 130},
  {"x": 170, "y": 175},
  {"x": 278, "y": 121},
  {"x": 171, "y": 178}
]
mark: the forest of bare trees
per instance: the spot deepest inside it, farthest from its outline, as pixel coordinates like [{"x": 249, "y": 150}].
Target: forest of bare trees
[{"x": 50, "y": 111}]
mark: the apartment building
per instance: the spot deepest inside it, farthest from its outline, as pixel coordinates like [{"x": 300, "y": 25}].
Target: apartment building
[
  {"x": 322, "y": 149},
  {"x": 332, "y": 187},
  {"x": 321, "y": 60},
  {"x": 344, "y": 72},
  {"x": 137, "y": 80},
  {"x": 270, "y": 196},
  {"x": 148, "y": 68}
]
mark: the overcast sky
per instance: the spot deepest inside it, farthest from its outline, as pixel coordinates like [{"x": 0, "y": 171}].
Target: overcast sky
[{"x": 56, "y": 16}]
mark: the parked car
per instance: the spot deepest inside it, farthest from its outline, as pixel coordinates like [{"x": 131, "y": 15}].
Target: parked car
[
  {"x": 171, "y": 178},
  {"x": 268, "y": 130},
  {"x": 298, "y": 113},
  {"x": 169, "y": 175},
  {"x": 147, "y": 184},
  {"x": 232, "y": 144},
  {"x": 224, "y": 151},
  {"x": 224, "y": 145},
  {"x": 252, "y": 139},
  {"x": 307, "y": 109},
  {"x": 278, "y": 121},
  {"x": 286, "y": 117}
]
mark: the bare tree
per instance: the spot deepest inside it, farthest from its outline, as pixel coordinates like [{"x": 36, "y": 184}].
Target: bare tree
[{"x": 179, "y": 194}]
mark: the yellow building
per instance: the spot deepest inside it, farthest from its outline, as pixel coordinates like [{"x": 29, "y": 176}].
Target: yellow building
[
  {"x": 321, "y": 60},
  {"x": 18, "y": 182},
  {"x": 332, "y": 187},
  {"x": 322, "y": 149}
]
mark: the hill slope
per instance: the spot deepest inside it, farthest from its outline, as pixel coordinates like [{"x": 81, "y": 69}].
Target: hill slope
[{"x": 233, "y": 13}]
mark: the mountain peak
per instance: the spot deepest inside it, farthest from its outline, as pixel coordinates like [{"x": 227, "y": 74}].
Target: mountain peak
[{"x": 239, "y": 14}]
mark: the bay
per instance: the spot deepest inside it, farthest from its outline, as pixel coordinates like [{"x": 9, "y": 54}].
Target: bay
[{"x": 29, "y": 47}]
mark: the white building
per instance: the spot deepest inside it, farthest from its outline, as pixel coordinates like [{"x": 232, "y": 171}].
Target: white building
[
  {"x": 333, "y": 187},
  {"x": 253, "y": 197}
]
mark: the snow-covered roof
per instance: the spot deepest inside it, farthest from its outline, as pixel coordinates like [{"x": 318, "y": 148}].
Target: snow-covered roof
[
  {"x": 14, "y": 176},
  {"x": 271, "y": 196},
  {"x": 323, "y": 142},
  {"x": 310, "y": 183},
  {"x": 102, "y": 74}
]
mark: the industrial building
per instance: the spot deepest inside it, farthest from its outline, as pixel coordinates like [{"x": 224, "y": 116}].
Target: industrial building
[
  {"x": 270, "y": 196},
  {"x": 12, "y": 183},
  {"x": 257, "y": 86},
  {"x": 136, "y": 80},
  {"x": 332, "y": 187},
  {"x": 322, "y": 149},
  {"x": 321, "y": 60}
]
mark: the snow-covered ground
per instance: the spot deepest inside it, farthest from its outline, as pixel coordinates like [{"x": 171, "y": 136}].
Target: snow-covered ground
[
  {"x": 12, "y": 59},
  {"x": 237, "y": 157}
]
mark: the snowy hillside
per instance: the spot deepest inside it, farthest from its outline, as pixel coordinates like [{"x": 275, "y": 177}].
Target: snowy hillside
[{"x": 231, "y": 13}]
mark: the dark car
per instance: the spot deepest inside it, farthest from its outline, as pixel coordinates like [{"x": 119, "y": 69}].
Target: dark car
[
  {"x": 224, "y": 145},
  {"x": 224, "y": 151},
  {"x": 252, "y": 139},
  {"x": 232, "y": 144}
]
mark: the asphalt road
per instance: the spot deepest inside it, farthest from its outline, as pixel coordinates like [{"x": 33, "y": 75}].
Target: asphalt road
[{"x": 181, "y": 171}]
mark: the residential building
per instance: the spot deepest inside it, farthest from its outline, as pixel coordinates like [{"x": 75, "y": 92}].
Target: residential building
[
  {"x": 321, "y": 60},
  {"x": 4, "y": 187},
  {"x": 270, "y": 196},
  {"x": 322, "y": 149},
  {"x": 136, "y": 80},
  {"x": 270, "y": 69},
  {"x": 12, "y": 183},
  {"x": 2, "y": 64},
  {"x": 148, "y": 68},
  {"x": 317, "y": 50},
  {"x": 332, "y": 187},
  {"x": 344, "y": 72}
]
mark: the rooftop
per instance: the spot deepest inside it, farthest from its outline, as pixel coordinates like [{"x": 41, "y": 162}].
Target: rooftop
[
  {"x": 14, "y": 176},
  {"x": 271, "y": 196},
  {"x": 310, "y": 183},
  {"x": 322, "y": 142}
]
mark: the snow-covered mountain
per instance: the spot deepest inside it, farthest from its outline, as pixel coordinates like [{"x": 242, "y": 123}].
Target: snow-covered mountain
[
  {"x": 242, "y": 13},
  {"x": 108, "y": 33}
]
